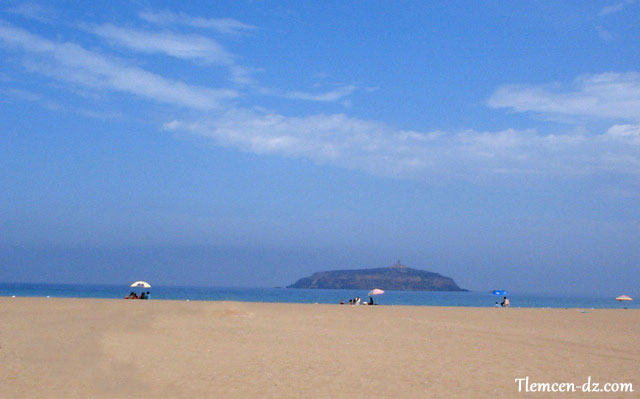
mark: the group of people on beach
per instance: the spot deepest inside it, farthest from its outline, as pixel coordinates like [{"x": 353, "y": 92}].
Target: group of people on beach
[
  {"x": 358, "y": 301},
  {"x": 133, "y": 295}
]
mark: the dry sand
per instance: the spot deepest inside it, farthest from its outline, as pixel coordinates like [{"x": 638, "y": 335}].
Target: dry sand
[{"x": 92, "y": 348}]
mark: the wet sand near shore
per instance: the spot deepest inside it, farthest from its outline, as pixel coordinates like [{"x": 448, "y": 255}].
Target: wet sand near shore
[{"x": 101, "y": 348}]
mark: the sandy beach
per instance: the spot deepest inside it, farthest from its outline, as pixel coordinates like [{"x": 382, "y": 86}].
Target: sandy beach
[{"x": 93, "y": 348}]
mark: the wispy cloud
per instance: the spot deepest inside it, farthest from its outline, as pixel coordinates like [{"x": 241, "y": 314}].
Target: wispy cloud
[
  {"x": 376, "y": 148},
  {"x": 182, "y": 46},
  {"x": 626, "y": 132},
  {"x": 614, "y": 8},
  {"x": 607, "y": 95},
  {"x": 603, "y": 33},
  {"x": 330, "y": 96},
  {"x": 611, "y": 9},
  {"x": 192, "y": 47},
  {"x": 12, "y": 94},
  {"x": 34, "y": 11},
  {"x": 222, "y": 25},
  {"x": 20, "y": 94},
  {"x": 72, "y": 63},
  {"x": 334, "y": 95}
]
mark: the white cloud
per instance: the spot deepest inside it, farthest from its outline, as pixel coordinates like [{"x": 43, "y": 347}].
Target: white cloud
[
  {"x": 9, "y": 94},
  {"x": 330, "y": 96},
  {"x": 34, "y": 11},
  {"x": 376, "y": 148},
  {"x": 72, "y": 63},
  {"x": 335, "y": 95},
  {"x": 193, "y": 47},
  {"x": 20, "y": 94},
  {"x": 190, "y": 47},
  {"x": 222, "y": 25},
  {"x": 614, "y": 8},
  {"x": 607, "y": 95},
  {"x": 629, "y": 133},
  {"x": 87, "y": 113},
  {"x": 603, "y": 33},
  {"x": 611, "y": 9}
]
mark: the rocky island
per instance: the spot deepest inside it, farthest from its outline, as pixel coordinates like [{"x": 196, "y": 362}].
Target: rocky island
[{"x": 397, "y": 277}]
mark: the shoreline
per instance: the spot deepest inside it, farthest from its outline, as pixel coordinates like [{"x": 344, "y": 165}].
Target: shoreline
[{"x": 613, "y": 307}]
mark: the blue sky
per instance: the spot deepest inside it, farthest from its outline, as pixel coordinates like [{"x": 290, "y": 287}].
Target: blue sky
[{"x": 250, "y": 143}]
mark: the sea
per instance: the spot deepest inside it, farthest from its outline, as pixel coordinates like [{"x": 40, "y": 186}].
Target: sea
[{"x": 290, "y": 295}]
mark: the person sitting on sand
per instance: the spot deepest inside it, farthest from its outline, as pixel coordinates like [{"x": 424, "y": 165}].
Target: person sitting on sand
[
  {"x": 370, "y": 300},
  {"x": 342, "y": 302},
  {"x": 130, "y": 296},
  {"x": 505, "y": 302},
  {"x": 143, "y": 296},
  {"x": 148, "y": 293}
]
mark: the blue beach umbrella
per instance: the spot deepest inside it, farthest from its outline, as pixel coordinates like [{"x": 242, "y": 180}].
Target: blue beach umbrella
[{"x": 502, "y": 293}]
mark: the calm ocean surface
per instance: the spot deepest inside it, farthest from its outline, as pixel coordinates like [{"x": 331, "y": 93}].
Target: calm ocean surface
[{"x": 480, "y": 299}]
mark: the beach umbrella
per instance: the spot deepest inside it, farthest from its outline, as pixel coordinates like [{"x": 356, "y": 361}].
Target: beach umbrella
[
  {"x": 375, "y": 291},
  {"x": 624, "y": 298},
  {"x": 142, "y": 285},
  {"x": 502, "y": 293}
]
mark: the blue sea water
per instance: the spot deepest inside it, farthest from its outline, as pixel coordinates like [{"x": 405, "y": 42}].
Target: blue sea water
[{"x": 288, "y": 295}]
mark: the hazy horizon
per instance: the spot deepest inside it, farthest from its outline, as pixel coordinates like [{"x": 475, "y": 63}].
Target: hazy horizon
[{"x": 252, "y": 144}]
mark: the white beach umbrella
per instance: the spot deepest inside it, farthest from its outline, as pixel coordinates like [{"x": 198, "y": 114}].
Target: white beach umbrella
[
  {"x": 624, "y": 298},
  {"x": 140, "y": 284},
  {"x": 375, "y": 291}
]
